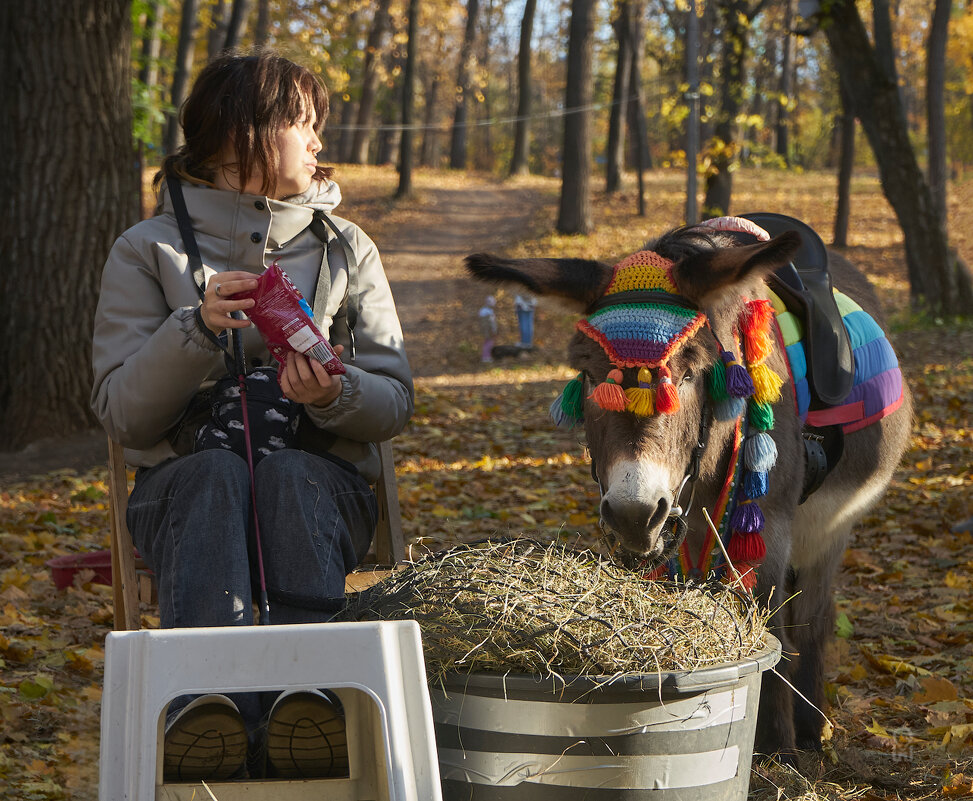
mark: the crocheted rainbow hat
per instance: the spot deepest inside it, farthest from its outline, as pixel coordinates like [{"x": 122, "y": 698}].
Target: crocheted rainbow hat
[{"x": 640, "y": 321}]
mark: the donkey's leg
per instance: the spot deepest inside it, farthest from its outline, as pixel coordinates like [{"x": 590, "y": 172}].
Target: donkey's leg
[
  {"x": 775, "y": 719},
  {"x": 812, "y": 614}
]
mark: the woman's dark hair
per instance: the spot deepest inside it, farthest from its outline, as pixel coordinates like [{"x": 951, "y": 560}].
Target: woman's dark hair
[{"x": 242, "y": 101}]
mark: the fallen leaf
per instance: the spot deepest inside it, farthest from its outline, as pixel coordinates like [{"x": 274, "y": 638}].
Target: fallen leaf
[{"x": 935, "y": 689}]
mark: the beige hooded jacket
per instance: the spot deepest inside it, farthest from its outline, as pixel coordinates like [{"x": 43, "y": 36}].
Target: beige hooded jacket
[{"x": 150, "y": 359}]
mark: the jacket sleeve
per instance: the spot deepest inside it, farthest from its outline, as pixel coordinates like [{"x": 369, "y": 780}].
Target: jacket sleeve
[
  {"x": 377, "y": 395},
  {"x": 148, "y": 359}
]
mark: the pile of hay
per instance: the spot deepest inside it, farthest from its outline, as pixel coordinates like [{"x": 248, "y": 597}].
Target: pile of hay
[{"x": 522, "y": 607}]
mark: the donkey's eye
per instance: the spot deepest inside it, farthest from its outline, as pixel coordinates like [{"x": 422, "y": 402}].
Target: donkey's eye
[{"x": 689, "y": 375}]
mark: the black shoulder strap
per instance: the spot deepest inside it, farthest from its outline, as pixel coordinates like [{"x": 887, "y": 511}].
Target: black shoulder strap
[
  {"x": 186, "y": 232},
  {"x": 353, "y": 300},
  {"x": 195, "y": 262}
]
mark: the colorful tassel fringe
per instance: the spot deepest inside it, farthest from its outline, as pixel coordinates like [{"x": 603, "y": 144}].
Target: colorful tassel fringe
[
  {"x": 761, "y": 416},
  {"x": 738, "y": 382},
  {"x": 760, "y": 453},
  {"x": 567, "y": 410},
  {"x": 755, "y": 326},
  {"x": 609, "y": 394},
  {"x": 755, "y": 484},
  {"x": 717, "y": 382},
  {"x": 747, "y": 546},
  {"x": 666, "y": 394},
  {"x": 766, "y": 383},
  {"x": 641, "y": 399},
  {"x": 729, "y": 409}
]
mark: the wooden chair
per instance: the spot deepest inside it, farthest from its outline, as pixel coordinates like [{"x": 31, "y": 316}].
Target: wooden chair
[{"x": 132, "y": 584}]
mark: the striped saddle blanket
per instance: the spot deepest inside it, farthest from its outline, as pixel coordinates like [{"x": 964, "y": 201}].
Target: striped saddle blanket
[{"x": 877, "y": 389}]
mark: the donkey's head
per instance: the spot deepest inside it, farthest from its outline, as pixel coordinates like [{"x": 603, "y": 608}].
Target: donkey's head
[{"x": 653, "y": 326}]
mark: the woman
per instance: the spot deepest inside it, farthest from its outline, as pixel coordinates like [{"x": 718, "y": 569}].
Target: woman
[{"x": 251, "y": 184}]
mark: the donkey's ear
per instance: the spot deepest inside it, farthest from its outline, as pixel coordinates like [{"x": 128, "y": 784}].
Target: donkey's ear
[
  {"x": 702, "y": 277},
  {"x": 579, "y": 281}
]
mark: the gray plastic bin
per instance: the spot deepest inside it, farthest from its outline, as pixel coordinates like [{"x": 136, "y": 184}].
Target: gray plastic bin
[{"x": 681, "y": 735}]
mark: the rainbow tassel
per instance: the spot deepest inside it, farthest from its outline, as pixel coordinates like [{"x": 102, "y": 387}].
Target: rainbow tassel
[
  {"x": 755, "y": 484},
  {"x": 755, "y": 324},
  {"x": 748, "y": 576},
  {"x": 641, "y": 398},
  {"x": 717, "y": 381},
  {"x": 729, "y": 409},
  {"x": 567, "y": 410},
  {"x": 761, "y": 416},
  {"x": 747, "y": 547},
  {"x": 572, "y": 398},
  {"x": 738, "y": 381},
  {"x": 747, "y": 518},
  {"x": 609, "y": 394},
  {"x": 666, "y": 394},
  {"x": 766, "y": 383},
  {"x": 760, "y": 453}
]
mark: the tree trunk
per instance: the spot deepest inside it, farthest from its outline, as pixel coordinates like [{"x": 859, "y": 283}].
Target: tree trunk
[
  {"x": 639, "y": 155},
  {"x": 719, "y": 185},
  {"x": 261, "y": 33},
  {"x": 575, "y": 208},
  {"x": 346, "y": 135},
  {"x": 519, "y": 162},
  {"x": 146, "y": 129},
  {"x": 184, "y": 66},
  {"x": 361, "y": 138},
  {"x": 786, "y": 85},
  {"x": 219, "y": 23},
  {"x": 615, "y": 148},
  {"x": 63, "y": 64},
  {"x": 484, "y": 157},
  {"x": 408, "y": 105},
  {"x": 237, "y": 24},
  {"x": 151, "y": 45},
  {"x": 349, "y": 108},
  {"x": 429, "y": 151},
  {"x": 457, "y": 146},
  {"x": 846, "y": 167},
  {"x": 935, "y": 105},
  {"x": 937, "y": 276}
]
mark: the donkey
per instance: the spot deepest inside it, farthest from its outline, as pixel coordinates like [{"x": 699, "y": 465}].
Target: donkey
[{"x": 661, "y": 391}]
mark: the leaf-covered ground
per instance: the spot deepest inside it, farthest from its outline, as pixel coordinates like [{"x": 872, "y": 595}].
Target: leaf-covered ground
[{"x": 481, "y": 457}]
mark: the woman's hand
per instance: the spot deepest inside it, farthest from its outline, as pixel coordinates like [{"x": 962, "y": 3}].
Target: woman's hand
[
  {"x": 305, "y": 380},
  {"x": 217, "y": 303}
]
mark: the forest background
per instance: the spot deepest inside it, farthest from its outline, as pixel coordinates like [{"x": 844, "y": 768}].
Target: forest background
[{"x": 855, "y": 117}]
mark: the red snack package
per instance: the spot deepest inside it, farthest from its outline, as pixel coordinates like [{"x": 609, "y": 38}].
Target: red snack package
[{"x": 286, "y": 322}]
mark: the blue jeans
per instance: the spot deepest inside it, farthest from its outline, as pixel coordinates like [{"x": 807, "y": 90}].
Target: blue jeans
[
  {"x": 525, "y": 321},
  {"x": 190, "y": 519}
]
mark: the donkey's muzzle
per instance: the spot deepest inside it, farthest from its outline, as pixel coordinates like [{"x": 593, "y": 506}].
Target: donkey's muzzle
[{"x": 638, "y": 526}]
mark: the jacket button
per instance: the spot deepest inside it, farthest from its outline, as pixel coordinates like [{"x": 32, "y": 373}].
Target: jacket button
[
  {"x": 255, "y": 237},
  {"x": 259, "y": 205}
]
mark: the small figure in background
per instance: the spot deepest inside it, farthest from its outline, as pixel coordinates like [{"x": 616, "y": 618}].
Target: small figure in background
[
  {"x": 488, "y": 327},
  {"x": 524, "y": 305}
]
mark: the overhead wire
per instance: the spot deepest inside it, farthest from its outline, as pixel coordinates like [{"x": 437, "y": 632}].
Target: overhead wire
[{"x": 445, "y": 126}]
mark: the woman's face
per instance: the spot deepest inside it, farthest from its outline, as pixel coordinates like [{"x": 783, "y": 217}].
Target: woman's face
[{"x": 298, "y": 146}]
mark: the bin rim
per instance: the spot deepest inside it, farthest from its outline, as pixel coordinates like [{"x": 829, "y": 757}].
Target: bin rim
[{"x": 722, "y": 674}]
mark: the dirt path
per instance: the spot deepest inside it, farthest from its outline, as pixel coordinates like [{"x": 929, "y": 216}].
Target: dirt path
[
  {"x": 437, "y": 303},
  {"x": 424, "y": 262}
]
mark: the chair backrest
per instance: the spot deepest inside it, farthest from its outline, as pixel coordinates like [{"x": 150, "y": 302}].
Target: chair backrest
[{"x": 129, "y": 587}]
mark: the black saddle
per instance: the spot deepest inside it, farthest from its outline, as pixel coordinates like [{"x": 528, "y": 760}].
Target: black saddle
[{"x": 805, "y": 287}]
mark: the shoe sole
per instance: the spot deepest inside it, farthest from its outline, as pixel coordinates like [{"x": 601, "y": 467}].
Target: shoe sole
[
  {"x": 306, "y": 739},
  {"x": 208, "y": 742}
]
